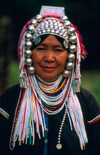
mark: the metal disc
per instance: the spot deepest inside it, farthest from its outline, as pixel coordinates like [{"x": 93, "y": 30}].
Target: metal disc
[{"x": 59, "y": 146}]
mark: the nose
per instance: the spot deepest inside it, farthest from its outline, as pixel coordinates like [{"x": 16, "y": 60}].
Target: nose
[{"x": 49, "y": 56}]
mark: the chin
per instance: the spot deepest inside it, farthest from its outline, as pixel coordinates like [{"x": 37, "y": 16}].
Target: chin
[{"x": 50, "y": 79}]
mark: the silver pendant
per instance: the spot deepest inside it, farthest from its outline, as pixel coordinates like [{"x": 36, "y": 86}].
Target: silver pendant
[{"x": 59, "y": 146}]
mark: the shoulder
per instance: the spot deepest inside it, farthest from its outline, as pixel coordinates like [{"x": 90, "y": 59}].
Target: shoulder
[
  {"x": 90, "y": 103},
  {"x": 9, "y": 98},
  {"x": 11, "y": 90}
]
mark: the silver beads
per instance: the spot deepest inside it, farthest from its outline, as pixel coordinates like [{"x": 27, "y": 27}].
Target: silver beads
[
  {"x": 66, "y": 73},
  {"x": 71, "y": 31},
  {"x": 59, "y": 145},
  {"x": 60, "y": 27},
  {"x": 28, "y": 53},
  {"x": 71, "y": 57},
  {"x": 51, "y": 26},
  {"x": 69, "y": 65},
  {"x": 34, "y": 22},
  {"x": 31, "y": 29},
  {"x": 28, "y": 61},
  {"x": 64, "y": 18},
  {"x": 67, "y": 24},
  {"x": 28, "y": 44},
  {"x": 28, "y": 36},
  {"x": 31, "y": 70},
  {"x": 38, "y": 18},
  {"x": 72, "y": 48},
  {"x": 73, "y": 39}
]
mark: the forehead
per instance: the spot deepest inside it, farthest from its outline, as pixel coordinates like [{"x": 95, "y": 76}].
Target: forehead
[{"x": 51, "y": 40}]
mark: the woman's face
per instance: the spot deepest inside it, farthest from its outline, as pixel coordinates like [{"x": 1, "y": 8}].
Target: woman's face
[{"x": 49, "y": 59}]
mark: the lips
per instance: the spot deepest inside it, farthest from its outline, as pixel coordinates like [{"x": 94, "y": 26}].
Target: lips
[{"x": 48, "y": 68}]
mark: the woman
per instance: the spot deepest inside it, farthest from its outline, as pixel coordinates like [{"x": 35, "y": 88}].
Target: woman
[{"x": 49, "y": 113}]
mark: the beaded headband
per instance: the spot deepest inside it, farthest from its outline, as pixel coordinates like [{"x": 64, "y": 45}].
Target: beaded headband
[{"x": 57, "y": 25}]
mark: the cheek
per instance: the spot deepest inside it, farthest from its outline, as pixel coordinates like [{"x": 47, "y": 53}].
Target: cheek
[
  {"x": 63, "y": 60},
  {"x": 36, "y": 58}
]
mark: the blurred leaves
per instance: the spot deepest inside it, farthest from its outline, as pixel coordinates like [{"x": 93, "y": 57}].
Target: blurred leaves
[{"x": 91, "y": 82}]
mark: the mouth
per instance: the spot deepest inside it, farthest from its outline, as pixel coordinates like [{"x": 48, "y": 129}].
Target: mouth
[{"x": 48, "y": 68}]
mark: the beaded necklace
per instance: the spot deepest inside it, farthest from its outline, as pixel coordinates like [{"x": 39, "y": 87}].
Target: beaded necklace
[{"x": 36, "y": 102}]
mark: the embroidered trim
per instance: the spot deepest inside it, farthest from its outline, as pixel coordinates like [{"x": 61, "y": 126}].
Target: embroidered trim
[
  {"x": 94, "y": 120},
  {"x": 4, "y": 113}
]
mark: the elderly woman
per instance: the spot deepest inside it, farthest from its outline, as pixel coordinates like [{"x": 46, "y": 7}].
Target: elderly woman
[{"x": 48, "y": 113}]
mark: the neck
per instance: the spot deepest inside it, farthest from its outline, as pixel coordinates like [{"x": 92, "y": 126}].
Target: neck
[{"x": 50, "y": 86}]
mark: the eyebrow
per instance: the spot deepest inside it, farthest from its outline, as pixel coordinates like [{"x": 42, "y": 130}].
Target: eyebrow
[{"x": 42, "y": 44}]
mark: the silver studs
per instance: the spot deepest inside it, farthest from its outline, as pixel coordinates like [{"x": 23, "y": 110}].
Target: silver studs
[
  {"x": 48, "y": 30},
  {"x": 71, "y": 31},
  {"x": 73, "y": 39},
  {"x": 72, "y": 48},
  {"x": 66, "y": 38},
  {"x": 69, "y": 65},
  {"x": 28, "y": 53},
  {"x": 46, "y": 26},
  {"x": 34, "y": 22},
  {"x": 31, "y": 29},
  {"x": 50, "y": 26},
  {"x": 71, "y": 57},
  {"x": 31, "y": 70},
  {"x": 45, "y": 22},
  {"x": 28, "y": 44},
  {"x": 52, "y": 31},
  {"x": 49, "y": 20},
  {"x": 42, "y": 24},
  {"x": 64, "y": 18},
  {"x": 55, "y": 23},
  {"x": 40, "y": 28},
  {"x": 55, "y": 27},
  {"x": 28, "y": 36},
  {"x": 60, "y": 28},
  {"x": 64, "y": 35},
  {"x": 61, "y": 34},
  {"x": 66, "y": 73},
  {"x": 28, "y": 61},
  {"x": 38, "y": 18},
  {"x": 43, "y": 31},
  {"x": 57, "y": 31},
  {"x": 39, "y": 32},
  {"x": 67, "y": 24},
  {"x": 59, "y": 24}
]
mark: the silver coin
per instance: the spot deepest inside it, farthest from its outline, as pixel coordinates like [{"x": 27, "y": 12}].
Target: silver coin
[{"x": 59, "y": 146}]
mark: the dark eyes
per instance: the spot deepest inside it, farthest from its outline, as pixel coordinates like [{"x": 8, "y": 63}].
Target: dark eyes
[
  {"x": 44, "y": 49},
  {"x": 40, "y": 49},
  {"x": 59, "y": 50}
]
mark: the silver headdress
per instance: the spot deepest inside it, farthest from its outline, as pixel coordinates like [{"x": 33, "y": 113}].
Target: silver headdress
[
  {"x": 34, "y": 102},
  {"x": 54, "y": 24}
]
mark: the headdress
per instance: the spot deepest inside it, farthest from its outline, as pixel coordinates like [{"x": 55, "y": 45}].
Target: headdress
[
  {"x": 57, "y": 25},
  {"x": 36, "y": 98}
]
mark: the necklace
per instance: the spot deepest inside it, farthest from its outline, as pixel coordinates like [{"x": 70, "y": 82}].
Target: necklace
[
  {"x": 51, "y": 102},
  {"x": 36, "y": 102},
  {"x": 49, "y": 86}
]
